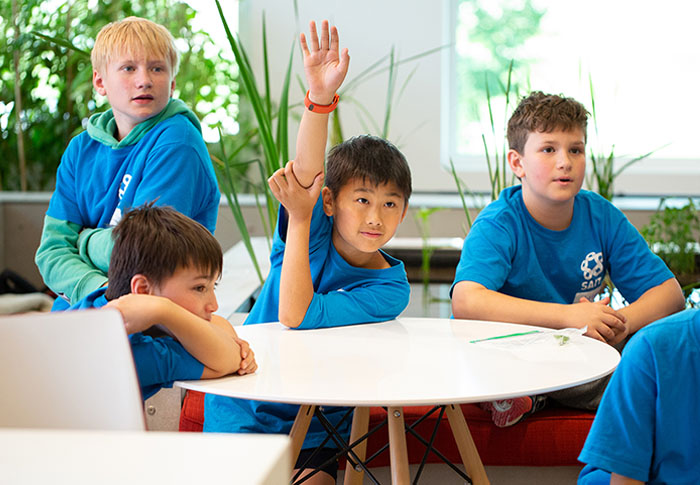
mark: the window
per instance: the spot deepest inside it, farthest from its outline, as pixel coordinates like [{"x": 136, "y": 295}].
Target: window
[{"x": 640, "y": 57}]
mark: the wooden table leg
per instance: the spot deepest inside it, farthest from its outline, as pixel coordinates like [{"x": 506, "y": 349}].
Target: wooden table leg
[
  {"x": 466, "y": 446},
  {"x": 360, "y": 424},
  {"x": 397, "y": 447},
  {"x": 299, "y": 429}
]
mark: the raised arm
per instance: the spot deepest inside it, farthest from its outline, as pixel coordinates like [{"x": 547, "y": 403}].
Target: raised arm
[
  {"x": 472, "y": 300},
  {"x": 212, "y": 343},
  {"x": 296, "y": 286},
  {"x": 325, "y": 68}
]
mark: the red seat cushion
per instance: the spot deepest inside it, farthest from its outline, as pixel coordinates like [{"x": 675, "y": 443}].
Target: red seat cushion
[
  {"x": 552, "y": 437},
  {"x": 192, "y": 412}
]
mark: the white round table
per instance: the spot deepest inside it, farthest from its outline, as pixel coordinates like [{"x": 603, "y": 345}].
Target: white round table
[{"x": 407, "y": 362}]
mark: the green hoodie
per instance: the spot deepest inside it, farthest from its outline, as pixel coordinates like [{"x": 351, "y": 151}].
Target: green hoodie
[{"x": 102, "y": 126}]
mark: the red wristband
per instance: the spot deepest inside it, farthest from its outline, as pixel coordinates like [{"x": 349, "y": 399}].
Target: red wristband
[{"x": 318, "y": 108}]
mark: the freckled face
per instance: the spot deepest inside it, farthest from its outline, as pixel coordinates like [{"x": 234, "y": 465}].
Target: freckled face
[
  {"x": 365, "y": 216},
  {"x": 137, "y": 88}
]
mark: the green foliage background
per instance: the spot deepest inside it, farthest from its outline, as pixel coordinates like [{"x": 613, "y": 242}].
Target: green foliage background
[{"x": 56, "y": 82}]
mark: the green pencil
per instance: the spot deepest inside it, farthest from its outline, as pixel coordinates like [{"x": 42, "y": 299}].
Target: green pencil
[{"x": 505, "y": 336}]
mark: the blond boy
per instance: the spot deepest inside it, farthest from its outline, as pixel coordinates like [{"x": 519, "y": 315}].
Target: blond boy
[{"x": 147, "y": 146}]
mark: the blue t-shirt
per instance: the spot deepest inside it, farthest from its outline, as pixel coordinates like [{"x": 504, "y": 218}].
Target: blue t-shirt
[
  {"x": 507, "y": 251},
  {"x": 343, "y": 295},
  {"x": 647, "y": 424},
  {"x": 95, "y": 183},
  {"x": 159, "y": 361}
]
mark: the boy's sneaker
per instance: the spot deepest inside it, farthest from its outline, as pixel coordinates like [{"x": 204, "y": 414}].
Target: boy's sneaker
[{"x": 510, "y": 411}]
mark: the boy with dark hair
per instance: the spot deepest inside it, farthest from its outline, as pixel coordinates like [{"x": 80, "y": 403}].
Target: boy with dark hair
[
  {"x": 327, "y": 268},
  {"x": 539, "y": 254},
  {"x": 645, "y": 430},
  {"x": 162, "y": 272},
  {"x": 148, "y": 146}
]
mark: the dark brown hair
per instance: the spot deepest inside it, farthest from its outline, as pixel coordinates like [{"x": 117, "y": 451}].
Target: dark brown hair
[
  {"x": 156, "y": 242},
  {"x": 544, "y": 113},
  {"x": 368, "y": 158}
]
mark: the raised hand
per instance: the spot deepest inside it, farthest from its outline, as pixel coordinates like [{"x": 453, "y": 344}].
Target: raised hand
[{"x": 324, "y": 65}]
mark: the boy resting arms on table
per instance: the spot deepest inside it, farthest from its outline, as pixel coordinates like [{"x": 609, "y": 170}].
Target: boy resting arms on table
[
  {"x": 162, "y": 272},
  {"x": 539, "y": 254}
]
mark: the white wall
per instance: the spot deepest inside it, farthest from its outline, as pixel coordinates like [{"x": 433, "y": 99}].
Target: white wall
[{"x": 368, "y": 28}]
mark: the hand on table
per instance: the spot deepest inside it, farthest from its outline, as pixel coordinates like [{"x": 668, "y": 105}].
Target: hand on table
[
  {"x": 604, "y": 323},
  {"x": 248, "y": 364}
]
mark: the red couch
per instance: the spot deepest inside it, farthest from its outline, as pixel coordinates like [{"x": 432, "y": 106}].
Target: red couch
[{"x": 553, "y": 437}]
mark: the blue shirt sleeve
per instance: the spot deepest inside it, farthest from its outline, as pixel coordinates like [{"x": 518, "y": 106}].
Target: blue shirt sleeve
[
  {"x": 487, "y": 255},
  {"x": 372, "y": 300},
  {"x": 621, "y": 439},
  {"x": 161, "y": 361},
  {"x": 634, "y": 268}
]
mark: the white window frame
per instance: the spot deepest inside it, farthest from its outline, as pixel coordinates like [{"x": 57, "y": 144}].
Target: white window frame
[{"x": 662, "y": 177}]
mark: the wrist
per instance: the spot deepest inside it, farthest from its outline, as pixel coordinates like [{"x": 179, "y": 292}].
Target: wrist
[
  {"x": 300, "y": 217},
  {"x": 320, "y": 102},
  {"x": 322, "y": 98}
]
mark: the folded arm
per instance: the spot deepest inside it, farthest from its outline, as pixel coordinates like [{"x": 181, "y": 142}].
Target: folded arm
[
  {"x": 657, "y": 302},
  {"x": 616, "y": 479},
  {"x": 474, "y": 301},
  {"x": 212, "y": 343},
  {"x": 60, "y": 263}
]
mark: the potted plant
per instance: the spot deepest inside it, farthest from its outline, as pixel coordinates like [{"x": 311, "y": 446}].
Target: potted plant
[{"x": 672, "y": 234}]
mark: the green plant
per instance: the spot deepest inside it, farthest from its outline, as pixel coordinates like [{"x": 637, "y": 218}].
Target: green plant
[
  {"x": 274, "y": 146},
  {"x": 500, "y": 176},
  {"x": 275, "y": 143},
  {"x": 672, "y": 233},
  {"x": 47, "y": 77}
]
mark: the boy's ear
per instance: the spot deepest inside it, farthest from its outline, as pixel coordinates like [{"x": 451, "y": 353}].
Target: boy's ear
[
  {"x": 405, "y": 210},
  {"x": 327, "y": 196},
  {"x": 141, "y": 285},
  {"x": 515, "y": 160},
  {"x": 172, "y": 87},
  {"x": 98, "y": 83}
]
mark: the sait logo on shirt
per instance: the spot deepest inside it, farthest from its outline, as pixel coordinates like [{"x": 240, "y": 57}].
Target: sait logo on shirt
[{"x": 592, "y": 268}]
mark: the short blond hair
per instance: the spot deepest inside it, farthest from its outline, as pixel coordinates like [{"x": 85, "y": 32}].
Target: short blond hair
[{"x": 134, "y": 35}]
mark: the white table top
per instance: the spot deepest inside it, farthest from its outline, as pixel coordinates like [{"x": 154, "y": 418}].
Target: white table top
[
  {"x": 409, "y": 361},
  {"x": 38, "y": 457}
]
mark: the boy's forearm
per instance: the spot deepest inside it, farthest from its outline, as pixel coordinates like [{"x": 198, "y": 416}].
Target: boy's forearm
[
  {"x": 657, "y": 302},
  {"x": 616, "y": 479},
  {"x": 60, "y": 264},
  {"x": 311, "y": 143},
  {"x": 206, "y": 341},
  {"x": 475, "y": 302},
  {"x": 296, "y": 286}
]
